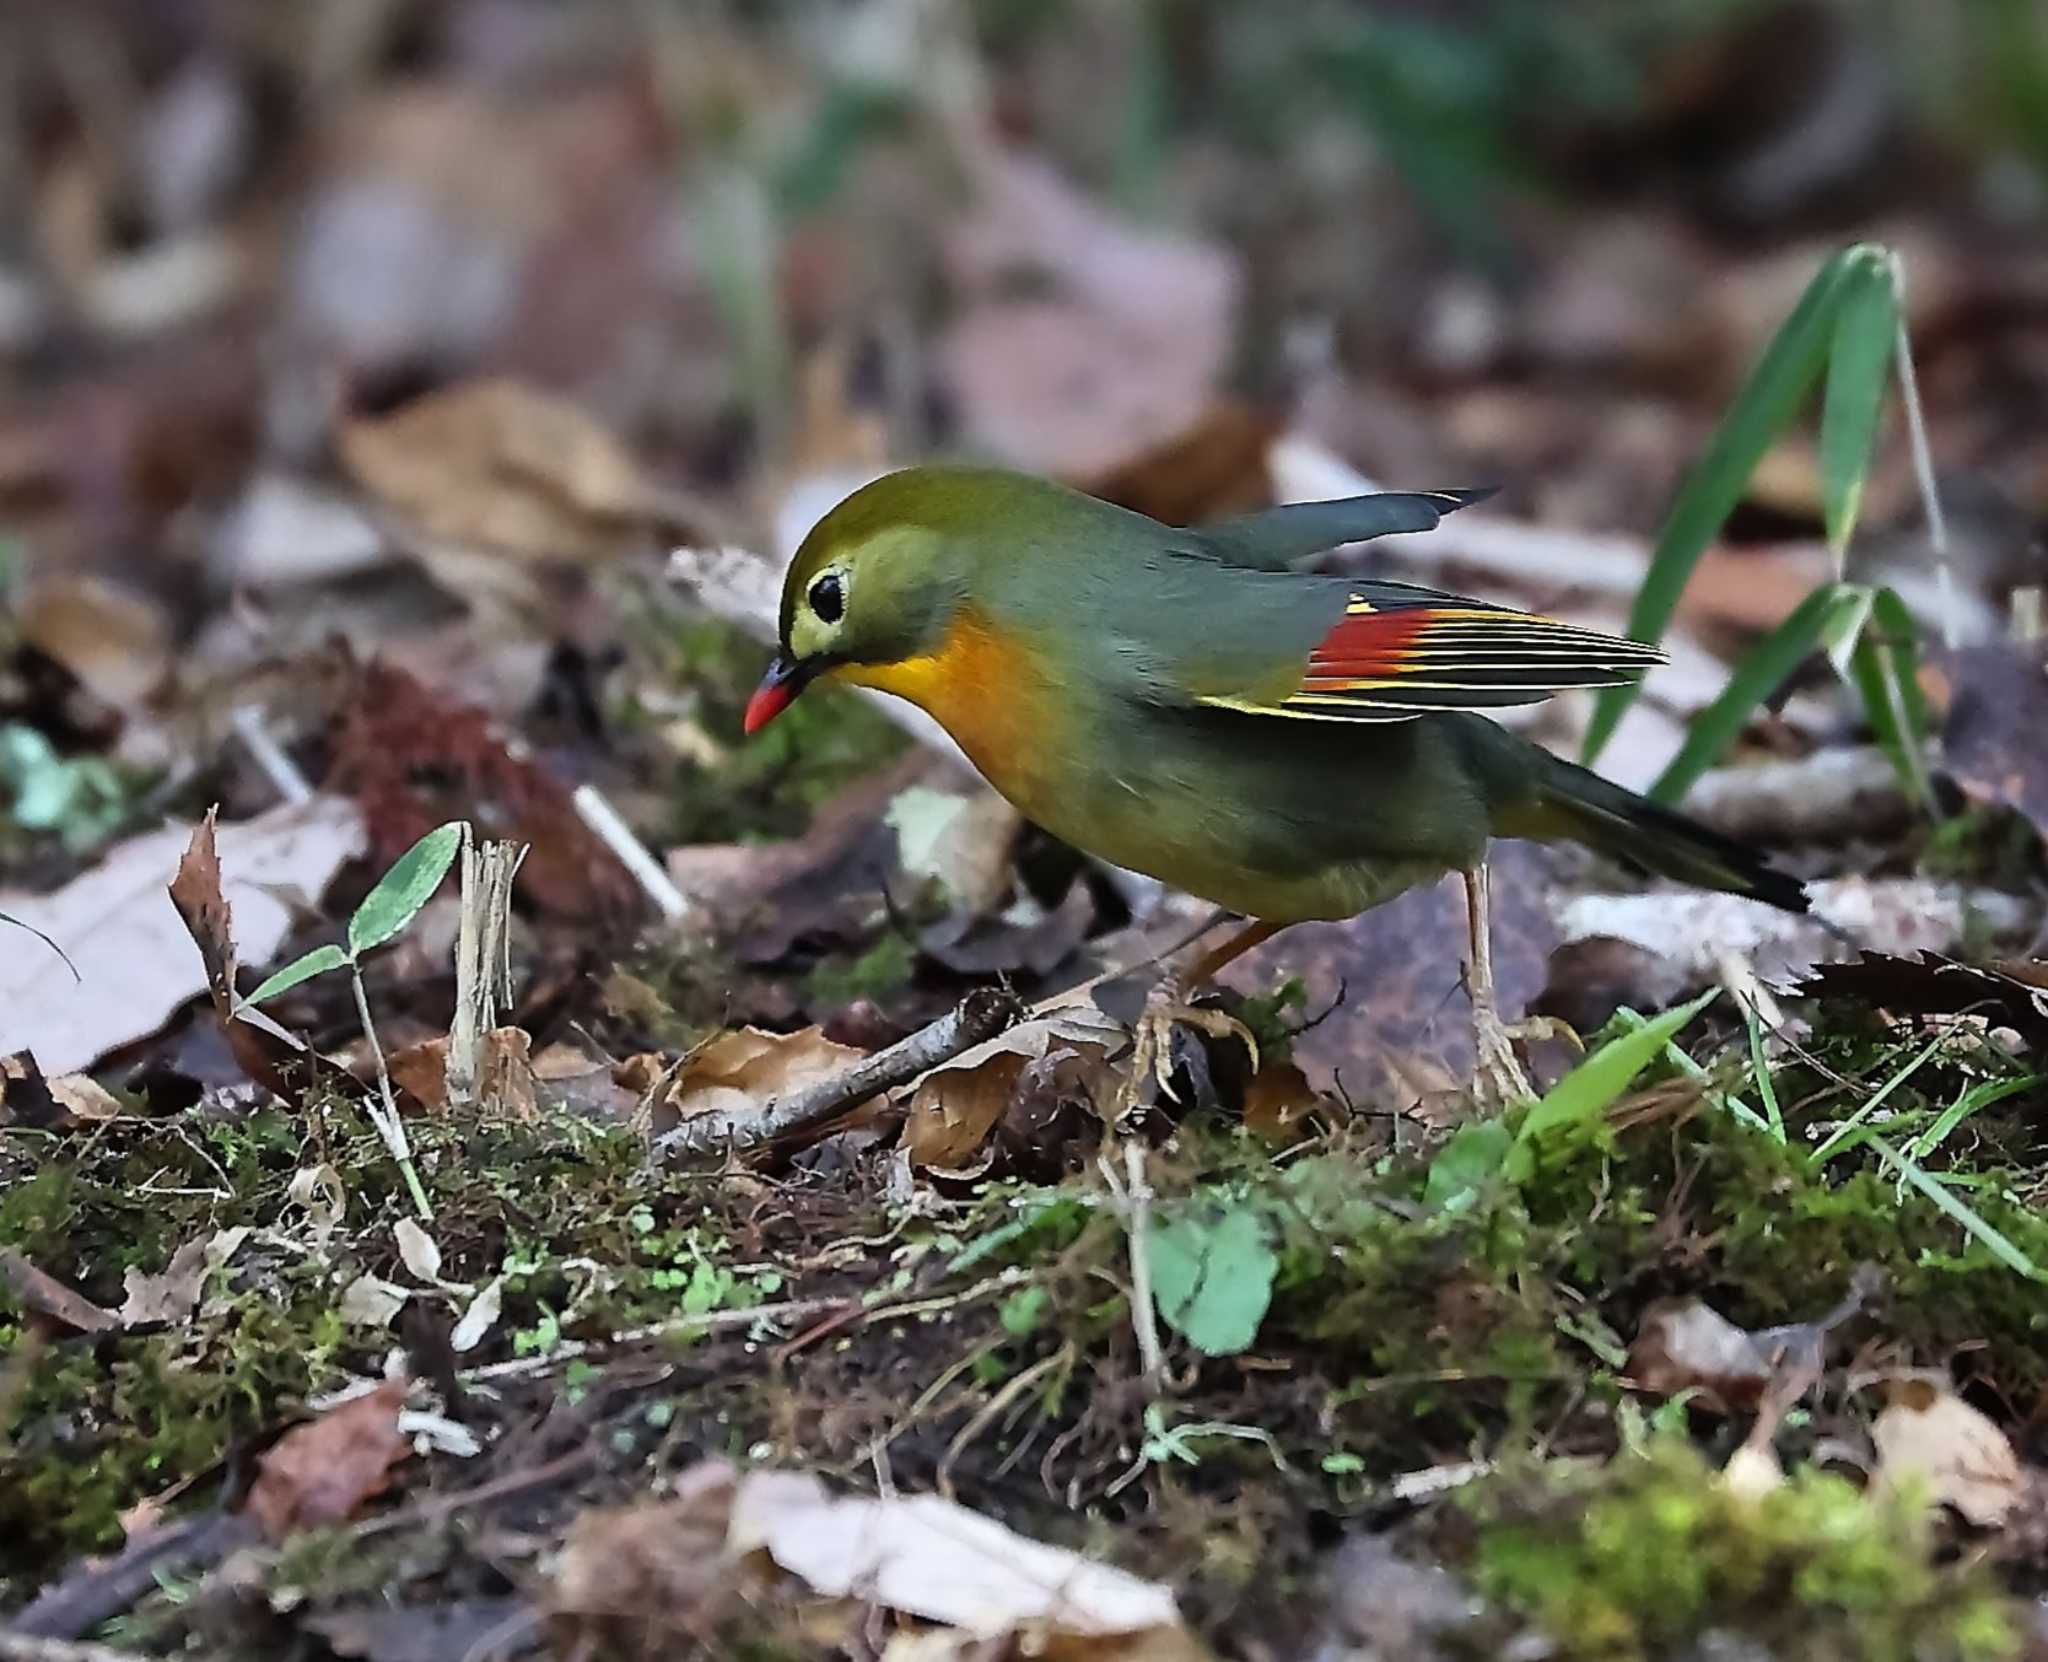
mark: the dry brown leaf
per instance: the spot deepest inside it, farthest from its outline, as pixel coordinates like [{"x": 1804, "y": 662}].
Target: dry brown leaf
[
  {"x": 955, "y": 1107},
  {"x": 952, "y": 1113},
  {"x": 930, "y": 1558},
  {"x": 322, "y": 1472},
  {"x": 657, "y": 1564},
  {"x": 505, "y": 1083},
  {"x": 1121, "y": 355},
  {"x": 117, "y": 642},
  {"x": 737, "y": 1071},
  {"x": 1930, "y": 1438},
  {"x": 1279, "y": 1103},
  {"x": 135, "y": 958},
  {"x": 1991, "y": 745},
  {"x": 495, "y": 465}
]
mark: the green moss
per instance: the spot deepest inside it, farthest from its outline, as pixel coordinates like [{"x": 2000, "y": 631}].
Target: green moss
[
  {"x": 770, "y": 783},
  {"x": 1649, "y": 1552},
  {"x": 883, "y": 969}
]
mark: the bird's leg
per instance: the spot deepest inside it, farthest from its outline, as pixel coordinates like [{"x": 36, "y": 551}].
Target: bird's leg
[
  {"x": 1168, "y": 1004},
  {"x": 1496, "y": 1074}
]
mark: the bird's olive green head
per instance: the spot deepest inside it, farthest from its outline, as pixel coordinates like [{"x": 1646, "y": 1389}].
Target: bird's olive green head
[{"x": 881, "y": 577}]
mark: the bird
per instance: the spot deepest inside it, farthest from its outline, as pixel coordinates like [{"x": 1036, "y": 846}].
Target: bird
[{"x": 1188, "y": 703}]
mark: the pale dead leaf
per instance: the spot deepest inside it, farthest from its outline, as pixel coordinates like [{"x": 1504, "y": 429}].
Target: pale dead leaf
[
  {"x": 135, "y": 959},
  {"x": 84, "y": 1098},
  {"x": 930, "y": 1558},
  {"x": 1686, "y": 1345},
  {"x": 318, "y": 1191},
  {"x": 370, "y": 1301},
  {"x": 493, "y": 464},
  {"x": 481, "y": 1316},
  {"x": 174, "y": 1294},
  {"x": 1956, "y": 1456},
  {"x": 39, "y": 1291},
  {"x": 418, "y": 1250},
  {"x": 740, "y": 1070},
  {"x": 1753, "y": 1471},
  {"x": 321, "y": 1473}
]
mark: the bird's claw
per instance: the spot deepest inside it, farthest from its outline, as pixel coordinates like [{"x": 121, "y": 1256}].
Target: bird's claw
[
  {"x": 1167, "y": 1007},
  {"x": 1497, "y": 1074}
]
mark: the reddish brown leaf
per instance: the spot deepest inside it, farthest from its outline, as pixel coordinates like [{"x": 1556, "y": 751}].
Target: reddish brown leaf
[{"x": 321, "y": 1473}]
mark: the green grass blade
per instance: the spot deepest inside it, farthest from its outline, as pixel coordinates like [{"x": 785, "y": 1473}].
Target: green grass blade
[
  {"x": 1582, "y": 1095},
  {"x": 302, "y": 968},
  {"x": 1767, "y": 668},
  {"x": 1884, "y": 667},
  {"x": 1980, "y": 1095},
  {"x": 1976, "y": 1227},
  {"x": 1765, "y": 406},
  {"x": 1761, "y": 1069},
  {"x": 405, "y": 888},
  {"x": 1836, "y": 1138},
  {"x": 1859, "y": 368}
]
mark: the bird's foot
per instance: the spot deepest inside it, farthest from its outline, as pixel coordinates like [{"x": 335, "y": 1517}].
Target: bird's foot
[
  {"x": 1497, "y": 1076},
  {"x": 1167, "y": 1007}
]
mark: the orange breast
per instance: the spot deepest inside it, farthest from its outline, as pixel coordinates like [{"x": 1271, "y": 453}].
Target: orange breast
[{"x": 992, "y": 694}]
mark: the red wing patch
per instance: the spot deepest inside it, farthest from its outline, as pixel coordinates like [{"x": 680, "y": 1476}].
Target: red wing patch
[{"x": 1387, "y": 662}]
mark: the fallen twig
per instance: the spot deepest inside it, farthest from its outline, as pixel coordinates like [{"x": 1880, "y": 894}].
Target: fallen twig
[
  {"x": 99, "y": 1592},
  {"x": 978, "y": 1017},
  {"x": 25, "y": 1647}
]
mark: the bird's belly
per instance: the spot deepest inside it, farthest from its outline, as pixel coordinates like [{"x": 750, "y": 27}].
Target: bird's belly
[{"x": 1234, "y": 847}]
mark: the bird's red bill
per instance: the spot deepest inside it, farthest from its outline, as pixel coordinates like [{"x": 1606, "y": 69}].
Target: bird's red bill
[{"x": 770, "y": 699}]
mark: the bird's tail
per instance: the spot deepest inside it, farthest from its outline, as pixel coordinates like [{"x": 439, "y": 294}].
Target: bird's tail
[{"x": 1571, "y": 803}]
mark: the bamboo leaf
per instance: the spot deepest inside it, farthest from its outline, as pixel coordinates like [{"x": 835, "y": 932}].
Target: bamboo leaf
[
  {"x": 1765, "y": 406},
  {"x": 302, "y": 968},
  {"x": 1859, "y": 368},
  {"x": 1584, "y": 1093},
  {"x": 1885, "y": 670},
  {"x": 1767, "y": 668},
  {"x": 404, "y": 889}
]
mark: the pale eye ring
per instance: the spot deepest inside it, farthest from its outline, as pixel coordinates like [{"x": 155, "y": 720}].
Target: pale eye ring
[{"x": 828, "y": 598}]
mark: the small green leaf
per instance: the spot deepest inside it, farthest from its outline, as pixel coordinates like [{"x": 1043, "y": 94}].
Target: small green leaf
[
  {"x": 1859, "y": 369},
  {"x": 1024, "y": 1311},
  {"x": 1884, "y": 667},
  {"x": 1582, "y": 1095},
  {"x": 1212, "y": 1276},
  {"x": 317, "y": 962},
  {"x": 1767, "y": 668},
  {"x": 1765, "y": 406},
  {"x": 1469, "y": 1160},
  {"x": 405, "y": 888}
]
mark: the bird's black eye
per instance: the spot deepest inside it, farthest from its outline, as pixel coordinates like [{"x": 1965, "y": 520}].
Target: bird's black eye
[{"x": 828, "y": 599}]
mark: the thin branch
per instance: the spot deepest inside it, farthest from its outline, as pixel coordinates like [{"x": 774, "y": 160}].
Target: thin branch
[{"x": 977, "y": 1018}]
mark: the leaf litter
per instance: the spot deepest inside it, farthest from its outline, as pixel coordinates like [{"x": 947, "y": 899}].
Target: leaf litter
[{"x": 1370, "y": 1308}]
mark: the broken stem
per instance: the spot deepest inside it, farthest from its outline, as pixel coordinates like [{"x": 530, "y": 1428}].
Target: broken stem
[
  {"x": 384, "y": 1115},
  {"x": 1133, "y": 1196},
  {"x": 978, "y": 1017}
]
